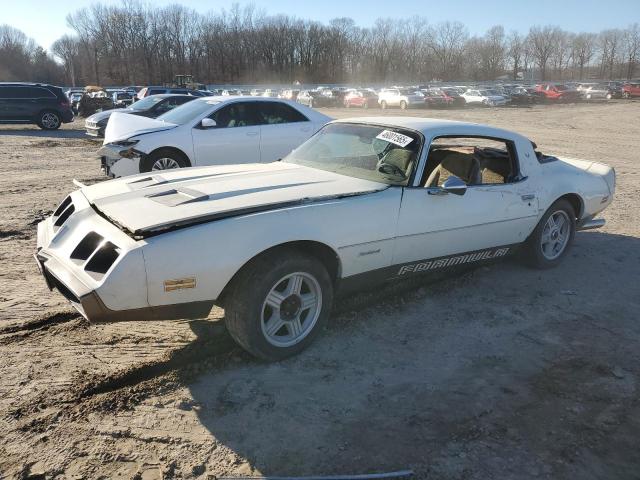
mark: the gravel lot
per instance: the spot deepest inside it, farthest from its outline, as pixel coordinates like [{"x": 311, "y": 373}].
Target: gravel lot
[{"x": 503, "y": 372}]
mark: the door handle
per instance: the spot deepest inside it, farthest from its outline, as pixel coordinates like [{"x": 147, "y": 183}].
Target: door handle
[
  {"x": 252, "y": 134},
  {"x": 527, "y": 197}
]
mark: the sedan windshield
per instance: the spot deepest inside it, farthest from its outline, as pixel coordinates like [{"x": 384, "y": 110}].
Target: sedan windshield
[
  {"x": 146, "y": 103},
  {"x": 381, "y": 154},
  {"x": 188, "y": 112}
]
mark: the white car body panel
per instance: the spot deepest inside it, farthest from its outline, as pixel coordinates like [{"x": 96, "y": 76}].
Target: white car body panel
[
  {"x": 202, "y": 225},
  {"x": 122, "y": 126},
  {"x": 215, "y": 146}
]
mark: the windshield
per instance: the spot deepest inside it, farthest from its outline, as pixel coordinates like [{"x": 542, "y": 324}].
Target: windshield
[
  {"x": 187, "y": 112},
  {"x": 146, "y": 103},
  {"x": 381, "y": 154}
]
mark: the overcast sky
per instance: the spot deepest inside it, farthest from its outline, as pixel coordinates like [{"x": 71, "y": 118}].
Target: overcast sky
[{"x": 44, "y": 21}]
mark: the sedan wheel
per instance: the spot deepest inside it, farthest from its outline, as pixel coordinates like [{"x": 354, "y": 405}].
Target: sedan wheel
[
  {"x": 291, "y": 309},
  {"x": 165, "y": 163},
  {"x": 555, "y": 235}
]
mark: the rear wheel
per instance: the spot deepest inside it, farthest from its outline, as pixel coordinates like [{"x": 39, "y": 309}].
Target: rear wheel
[
  {"x": 552, "y": 237},
  {"x": 278, "y": 304},
  {"x": 49, "y": 120},
  {"x": 163, "y": 159}
]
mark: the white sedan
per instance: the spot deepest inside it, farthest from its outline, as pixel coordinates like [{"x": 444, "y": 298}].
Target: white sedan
[
  {"x": 207, "y": 131},
  {"x": 483, "y": 97},
  {"x": 365, "y": 200}
]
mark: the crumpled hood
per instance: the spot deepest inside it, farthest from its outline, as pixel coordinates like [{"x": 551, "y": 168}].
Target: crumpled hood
[
  {"x": 151, "y": 203},
  {"x": 122, "y": 126}
]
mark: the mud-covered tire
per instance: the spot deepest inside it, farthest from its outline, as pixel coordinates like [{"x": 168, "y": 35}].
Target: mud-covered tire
[
  {"x": 168, "y": 157},
  {"x": 248, "y": 304},
  {"x": 49, "y": 120},
  {"x": 536, "y": 251}
]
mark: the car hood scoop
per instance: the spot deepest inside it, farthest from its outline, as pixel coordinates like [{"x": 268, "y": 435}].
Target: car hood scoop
[{"x": 148, "y": 204}]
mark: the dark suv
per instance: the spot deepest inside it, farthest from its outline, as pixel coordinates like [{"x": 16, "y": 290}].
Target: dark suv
[{"x": 45, "y": 105}]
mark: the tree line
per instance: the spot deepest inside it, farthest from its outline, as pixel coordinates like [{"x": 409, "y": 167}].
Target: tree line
[{"x": 135, "y": 43}]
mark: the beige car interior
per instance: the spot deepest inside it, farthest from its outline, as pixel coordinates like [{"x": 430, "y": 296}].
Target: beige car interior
[{"x": 473, "y": 165}]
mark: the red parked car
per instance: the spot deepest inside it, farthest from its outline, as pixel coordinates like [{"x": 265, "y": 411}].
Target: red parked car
[
  {"x": 361, "y": 98},
  {"x": 557, "y": 92},
  {"x": 436, "y": 98},
  {"x": 631, "y": 90}
]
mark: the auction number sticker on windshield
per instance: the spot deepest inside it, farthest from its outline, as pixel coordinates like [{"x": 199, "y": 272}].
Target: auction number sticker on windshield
[{"x": 395, "y": 138}]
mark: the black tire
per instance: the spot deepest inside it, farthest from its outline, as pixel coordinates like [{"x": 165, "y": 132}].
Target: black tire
[
  {"x": 245, "y": 302},
  {"x": 148, "y": 162},
  {"x": 532, "y": 251},
  {"x": 49, "y": 120}
]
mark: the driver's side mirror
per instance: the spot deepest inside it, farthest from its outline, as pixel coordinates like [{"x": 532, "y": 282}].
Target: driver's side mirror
[
  {"x": 452, "y": 185},
  {"x": 208, "y": 123}
]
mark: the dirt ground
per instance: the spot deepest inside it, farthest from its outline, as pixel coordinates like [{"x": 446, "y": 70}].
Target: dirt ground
[{"x": 503, "y": 372}]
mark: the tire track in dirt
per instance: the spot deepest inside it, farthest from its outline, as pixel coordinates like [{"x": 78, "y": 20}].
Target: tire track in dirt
[{"x": 14, "y": 332}]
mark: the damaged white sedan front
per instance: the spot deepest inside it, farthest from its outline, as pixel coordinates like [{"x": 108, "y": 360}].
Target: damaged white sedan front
[{"x": 207, "y": 131}]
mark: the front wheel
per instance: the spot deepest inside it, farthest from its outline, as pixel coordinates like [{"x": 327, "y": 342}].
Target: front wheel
[
  {"x": 163, "y": 160},
  {"x": 278, "y": 304},
  {"x": 552, "y": 237},
  {"x": 49, "y": 121}
]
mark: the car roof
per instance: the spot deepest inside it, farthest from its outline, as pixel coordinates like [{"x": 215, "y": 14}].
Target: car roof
[
  {"x": 435, "y": 126},
  {"x": 167, "y": 95},
  {"x": 26, "y": 84}
]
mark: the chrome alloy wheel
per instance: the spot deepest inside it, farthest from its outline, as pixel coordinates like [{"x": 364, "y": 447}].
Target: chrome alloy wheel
[
  {"x": 291, "y": 309},
  {"x": 50, "y": 120},
  {"x": 555, "y": 235},
  {"x": 165, "y": 163}
]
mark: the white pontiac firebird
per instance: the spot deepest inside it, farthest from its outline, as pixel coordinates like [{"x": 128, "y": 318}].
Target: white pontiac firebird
[{"x": 363, "y": 200}]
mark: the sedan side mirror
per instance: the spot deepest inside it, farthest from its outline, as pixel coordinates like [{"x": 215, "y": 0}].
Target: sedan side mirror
[{"x": 208, "y": 123}]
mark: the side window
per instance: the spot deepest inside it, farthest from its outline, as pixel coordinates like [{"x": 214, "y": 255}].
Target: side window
[
  {"x": 37, "y": 92},
  {"x": 272, "y": 113},
  {"x": 475, "y": 160},
  {"x": 240, "y": 114},
  {"x": 156, "y": 91},
  {"x": 164, "y": 106}
]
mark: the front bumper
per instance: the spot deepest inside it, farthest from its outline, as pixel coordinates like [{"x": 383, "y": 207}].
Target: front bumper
[
  {"x": 114, "y": 165},
  {"x": 88, "y": 303}
]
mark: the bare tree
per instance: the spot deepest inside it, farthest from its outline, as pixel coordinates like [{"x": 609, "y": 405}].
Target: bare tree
[
  {"x": 543, "y": 42},
  {"x": 515, "y": 52}
]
